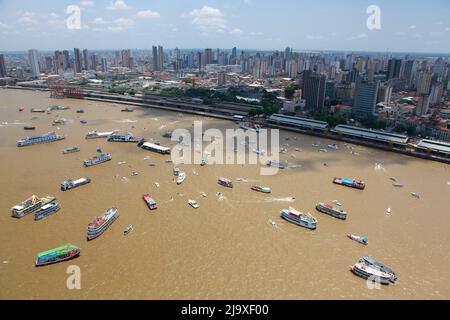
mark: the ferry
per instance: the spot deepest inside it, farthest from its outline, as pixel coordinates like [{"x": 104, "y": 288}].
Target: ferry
[
  {"x": 151, "y": 203},
  {"x": 103, "y": 157},
  {"x": 126, "y": 137},
  {"x": 100, "y": 224},
  {"x": 378, "y": 265},
  {"x": 368, "y": 272},
  {"x": 71, "y": 150},
  {"x": 153, "y": 147},
  {"x": 59, "y": 254},
  {"x": 181, "y": 177},
  {"x": 225, "y": 182},
  {"x": 275, "y": 164},
  {"x": 357, "y": 184},
  {"x": 30, "y": 205},
  {"x": 261, "y": 189},
  {"x": 40, "y": 139},
  {"x": 301, "y": 219},
  {"x": 194, "y": 204},
  {"x": 362, "y": 240},
  {"x": 331, "y": 210},
  {"x": 96, "y": 135},
  {"x": 46, "y": 210},
  {"x": 71, "y": 184}
]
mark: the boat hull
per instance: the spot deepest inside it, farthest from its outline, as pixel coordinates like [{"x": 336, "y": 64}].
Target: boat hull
[
  {"x": 300, "y": 223},
  {"x": 72, "y": 255},
  {"x": 365, "y": 275},
  {"x": 330, "y": 212}
]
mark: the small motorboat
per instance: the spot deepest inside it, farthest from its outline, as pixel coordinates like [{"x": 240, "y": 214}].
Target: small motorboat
[
  {"x": 29, "y": 128},
  {"x": 388, "y": 211},
  {"x": 203, "y": 194},
  {"x": 362, "y": 240},
  {"x": 194, "y": 204},
  {"x": 261, "y": 189},
  {"x": 21, "y": 108},
  {"x": 128, "y": 230},
  {"x": 181, "y": 177},
  {"x": 398, "y": 185},
  {"x": 414, "y": 194}
]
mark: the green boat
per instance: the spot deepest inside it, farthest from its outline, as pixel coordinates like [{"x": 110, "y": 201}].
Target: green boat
[
  {"x": 65, "y": 252},
  {"x": 261, "y": 189}
]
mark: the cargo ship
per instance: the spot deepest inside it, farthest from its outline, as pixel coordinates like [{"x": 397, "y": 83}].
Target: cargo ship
[
  {"x": 301, "y": 219},
  {"x": 261, "y": 189},
  {"x": 39, "y": 139},
  {"x": 71, "y": 184},
  {"x": 100, "y": 224},
  {"x": 151, "y": 203},
  {"x": 331, "y": 210},
  {"x": 275, "y": 164},
  {"x": 30, "y": 205},
  {"x": 46, "y": 210},
  {"x": 357, "y": 184},
  {"x": 368, "y": 272},
  {"x": 71, "y": 150},
  {"x": 125, "y": 137},
  {"x": 378, "y": 265},
  {"x": 97, "y": 135},
  {"x": 225, "y": 182},
  {"x": 56, "y": 255},
  {"x": 103, "y": 157}
]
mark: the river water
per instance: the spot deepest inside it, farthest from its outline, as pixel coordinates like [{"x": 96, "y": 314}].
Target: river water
[{"x": 226, "y": 249}]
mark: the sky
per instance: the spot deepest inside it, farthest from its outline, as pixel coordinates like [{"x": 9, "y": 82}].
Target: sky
[{"x": 404, "y": 25}]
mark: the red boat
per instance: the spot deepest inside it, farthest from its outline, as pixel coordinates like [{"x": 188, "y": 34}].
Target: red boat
[
  {"x": 357, "y": 184},
  {"x": 151, "y": 203}
]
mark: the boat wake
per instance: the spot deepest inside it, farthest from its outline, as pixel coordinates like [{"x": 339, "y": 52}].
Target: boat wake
[
  {"x": 125, "y": 121},
  {"x": 286, "y": 199}
]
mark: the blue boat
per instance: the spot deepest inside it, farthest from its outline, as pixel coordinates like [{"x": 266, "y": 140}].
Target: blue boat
[{"x": 46, "y": 210}]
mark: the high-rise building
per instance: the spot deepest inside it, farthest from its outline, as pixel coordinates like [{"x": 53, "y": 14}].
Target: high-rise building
[
  {"x": 94, "y": 61},
  {"x": 77, "y": 60},
  {"x": 66, "y": 60},
  {"x": 48, "y": 64},
  {"x": 221, "y": 78},
  {"x": 58, "y": 61},
  {"x": 208, "y": 56},
  {"x": 314, "y": 91},
  {"x": 393, "y": 69},
  {"x": 104, "y": 65},
  {"x": 160, "y": 58},
  {"x": 384, "y": 93},
  {"x": 126, "y": 58},
  {"x": 155, "y": 58},
  {"x": 2, "y": 66},
  {"x": 423, "y": 104},
  {"x": 34, "y": 62},
  {"x": 365, "y": 98},
  {"x": 424, "y": 82},
  {"x": 86, "y": 65},
  {"x": 409, "y": 72}
]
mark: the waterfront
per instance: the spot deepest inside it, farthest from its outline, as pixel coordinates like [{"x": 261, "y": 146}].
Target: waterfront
[{"x": 226, "y": 249}]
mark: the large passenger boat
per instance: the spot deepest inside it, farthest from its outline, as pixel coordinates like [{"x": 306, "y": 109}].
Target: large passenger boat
[
  {"x": 225, "y": 182},
  {"x": 123, "y": 137},
  {"x": 39, "y": 139},
  {"x": 357, "y": 184},
  {"x": 102, "y": 223},
  {"x": 46, "y": 210},
  {"x": 151, "y": 203},
  {"x": 30, "y": 205},
  {"x": 378, "y": 265},
  {"x": 301, "y": 219},
  {"x": 59, "y": 254},
  {"x": 368, "y": 272},
  {"x": 331, "y": 210},
  {"x": 103, "y": 157},
  {"x": 71, "y": 184}
]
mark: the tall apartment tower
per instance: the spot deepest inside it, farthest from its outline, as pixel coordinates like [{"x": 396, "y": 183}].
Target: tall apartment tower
[
  {"x": 86, "y": 65},
  {"x": 34, "y": 62},
  {"x": 160, "y": 58},
  {"x": 314, "y": 91},
  {"x": 155, "y": 58},
  {"x": 77, "y": 60},
  {"x": 365, "y": 98},
  {"x": 2, "y": 66}
]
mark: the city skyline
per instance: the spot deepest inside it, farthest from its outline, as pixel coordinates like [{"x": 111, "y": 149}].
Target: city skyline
[{"x": 405, "y": 26}]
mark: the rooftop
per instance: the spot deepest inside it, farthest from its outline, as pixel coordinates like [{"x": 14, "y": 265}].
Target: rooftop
[
  {"x": 438, "y": 146},
  {"x": 297, "y": 121},
  {"x": 371, "y": 134}
]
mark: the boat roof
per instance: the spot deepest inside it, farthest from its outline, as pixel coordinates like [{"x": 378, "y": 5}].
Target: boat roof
[{"x": 155, "y": 146}]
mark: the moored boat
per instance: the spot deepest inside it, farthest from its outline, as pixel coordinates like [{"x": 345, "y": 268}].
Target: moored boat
[
  {"x": 368, "y": 272},
  {"x": 125, "y": 137},
  {"x": 56, "y": 255},
  {"x": 71, "y": 184},
  {"x": 362, "y": 240},
  {"x": 275, "y": 164},
  {"x": 225, "y": 182},
  {"x": 176, "y": 171},
  {"x": 261, "y": 189},
  {"x": 378, "y": 265},
  {"x": 30, "y": 205},
  {"x": 46, "y": 210},
  {"x": 194, "y": 204},
  {"x": 100, "y": 224},
  {"x": 181, "y": 177},
  {"x": 357, "y": 184},
  {"x": 301, "y": 219},
  {"x": 103, "y": 157},
  {"x": 331, "y": 210},
  {"x": 71, "y": 150},
  {"x": 151, "y": 203},
  {"x": 39, "y": 139},
  {"x": 97, "y": 135}
]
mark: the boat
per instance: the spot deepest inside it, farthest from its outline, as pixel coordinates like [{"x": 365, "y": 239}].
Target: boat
[
  {"x": 333, "y": 146},
  {"x": 46, "y": 210},
  {"x": 414, "y": 194},
  {"x": 275, "y": 164},
  {"x": 65, "y": 252},
  {"x": 398, "y": 185},
  {"x": 194, "y": 204},
  {"x": 37, "y": 110},
  {"x": 153, "y": 147},
  {"x": 30, "y": 205},
  {"x": 205, "y": 159},
  {"x": 103, "y": 157},
  {"x": 368, "y": 272},
  {"x": 362, "y": 240},
  {"x": 71, "y": 184},
  {"x": 58, "y": 107},
  {"x": 176, "y": 171},
  {"x": 151, "y": 203},
  {"x": 71, "y": 150},
  {"x": 181, "y": 177},
  {"x": 259, "y": 152},
  {"x": 59, "y": 122},
  {"x": 128, "y": 230},
  {"x": 388, "y": 211},
  {"x": 167, "y": 134},
  {"x": 225, "y": 182},
  {"x": 100, "y": 224},
  {"x": 96, "y": 135},
  {"x": 261, "y": 189},
  {"x": 83, "y": 121},
  {"x": 21, "y": 108},
  {"x": 248, "y": 125},
  {"x": 331, "y": 210},
  {"x": 29, "y": 128},
  {"x": 357, "y": 184},
  {"x": 301, "y": 219},
  {"x": 80, "y": 111},
  {"x": 127, "y": 110},
  {"x": 378, "y": 265},
  {"x": 126, "y": 137},
  {"x": 39, "y": 139}
]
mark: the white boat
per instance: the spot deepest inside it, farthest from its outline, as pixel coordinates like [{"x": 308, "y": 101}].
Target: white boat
[
  {"x": 388, "y": 211},
  {"x": 414, "y": 194},
  {"x": 194, "y": 204},
  {"x": 96, "y": 135},
  {"x": 181, "y": 177}
]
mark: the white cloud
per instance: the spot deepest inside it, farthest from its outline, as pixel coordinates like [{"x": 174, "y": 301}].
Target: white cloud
[
  {"x": 26, "y": 18},
  {"x": 248, "y": 1},
  {"x": 147, "y": 14},
  {"x": 253, "y": 33},
  {"x": 435, "y": 34},
  {"x": 412, "y": 27},
  {"x": 87, "y": 3},
  {"x": 53, "y": 15},
  {"x": 236, "y": 32},
  {"x": 3, "y": 25},
  {"x": 208, "y": 19},
  {"x": 312, "y": 37},
  {"x": 400, "y": 33},
  {"x": 117, "y": 5},
  {"x": 359, "y": 36},
  {"x": 121, "y": 24},
  {"x": 98, "y": 21}
]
